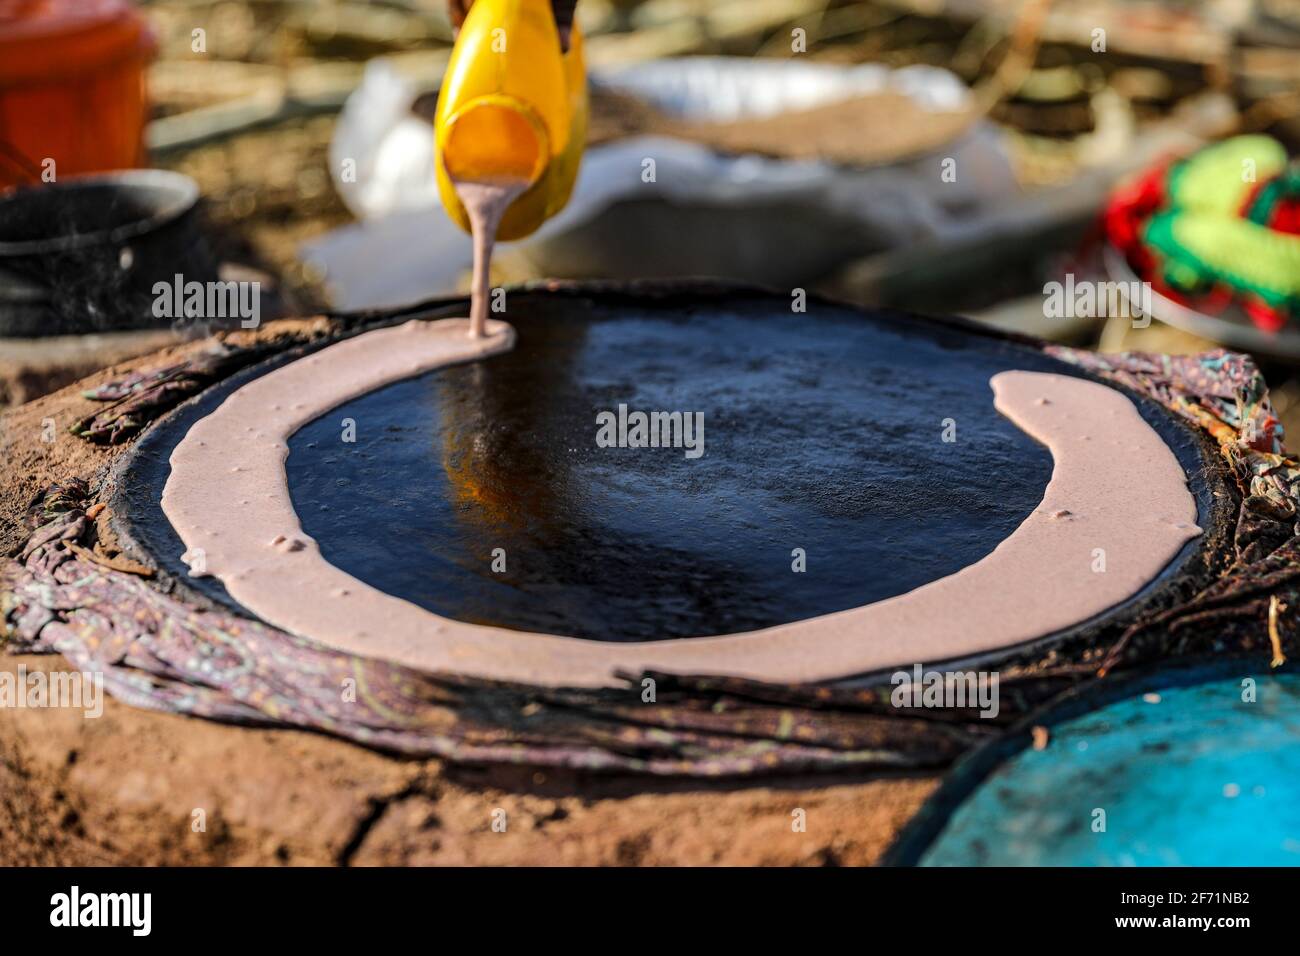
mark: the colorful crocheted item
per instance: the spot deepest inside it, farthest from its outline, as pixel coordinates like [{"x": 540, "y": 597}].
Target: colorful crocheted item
[{"x": 1220, "y": 226}]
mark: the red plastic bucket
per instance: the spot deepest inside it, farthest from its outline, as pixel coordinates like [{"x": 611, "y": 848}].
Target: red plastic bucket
[{"x": 72, "y": 88}]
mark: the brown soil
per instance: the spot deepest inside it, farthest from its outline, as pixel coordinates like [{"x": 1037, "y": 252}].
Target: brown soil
[
  {"x": 124, "y": 788},
  {"x": 30, "y": 368}
]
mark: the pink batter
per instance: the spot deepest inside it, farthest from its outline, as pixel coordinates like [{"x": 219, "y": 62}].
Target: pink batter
[
  {"x": 1117, "y": 500},
  {"x": 485, "y": 203}
]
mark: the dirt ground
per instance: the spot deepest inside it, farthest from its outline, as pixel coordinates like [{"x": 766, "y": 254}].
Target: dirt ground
[{"x": 124, "y": 788}]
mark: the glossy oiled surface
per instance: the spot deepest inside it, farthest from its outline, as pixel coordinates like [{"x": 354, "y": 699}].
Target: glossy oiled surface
[{"x": 823, "y": 431}]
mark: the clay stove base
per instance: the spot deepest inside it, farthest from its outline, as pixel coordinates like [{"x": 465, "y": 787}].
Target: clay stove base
[{"x": 121, "y": 789}]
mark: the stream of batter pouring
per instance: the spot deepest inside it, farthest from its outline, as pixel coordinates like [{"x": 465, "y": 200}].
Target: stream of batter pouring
[{"x": 485, "y": 202}]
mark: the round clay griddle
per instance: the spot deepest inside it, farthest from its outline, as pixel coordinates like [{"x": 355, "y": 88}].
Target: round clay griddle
[{"x": 823, "y": 432}]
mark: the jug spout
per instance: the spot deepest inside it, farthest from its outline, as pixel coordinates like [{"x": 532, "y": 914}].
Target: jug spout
[
  {"x": 495, "y": 137},
  {"x": 512, "y": 110}
]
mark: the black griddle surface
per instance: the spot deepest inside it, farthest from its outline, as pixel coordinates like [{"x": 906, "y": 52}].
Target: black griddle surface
[{"x": 820, "y": 432}]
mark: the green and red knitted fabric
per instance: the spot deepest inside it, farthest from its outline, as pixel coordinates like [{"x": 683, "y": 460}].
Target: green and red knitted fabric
[{"x": 1218, "y": 227}]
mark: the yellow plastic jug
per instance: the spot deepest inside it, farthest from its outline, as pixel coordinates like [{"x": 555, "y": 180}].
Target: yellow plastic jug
[{"x": 513, "y": 105}]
